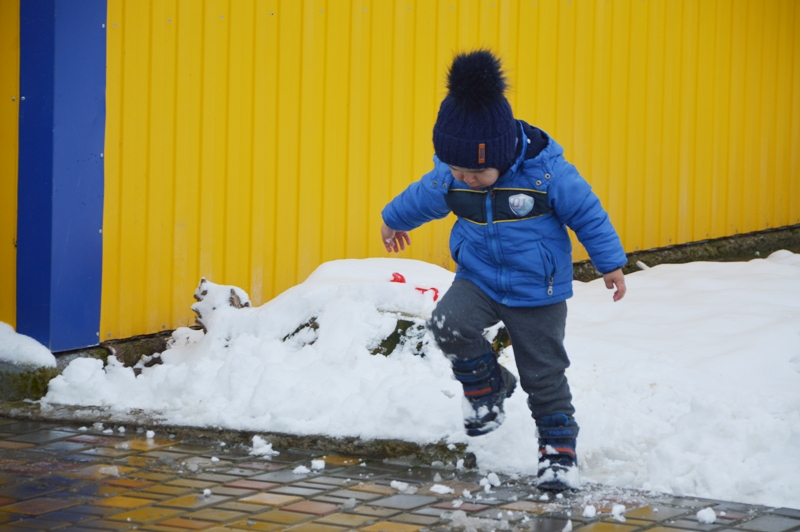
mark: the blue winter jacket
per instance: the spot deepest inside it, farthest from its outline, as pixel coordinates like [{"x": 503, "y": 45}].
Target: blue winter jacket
[{"x": 511, "y": 239}]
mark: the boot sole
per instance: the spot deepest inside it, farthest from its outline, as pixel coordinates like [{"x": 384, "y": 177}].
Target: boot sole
[{"x": 496, "y": 422}]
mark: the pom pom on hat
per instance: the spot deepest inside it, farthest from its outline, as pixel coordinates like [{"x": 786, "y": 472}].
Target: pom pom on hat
[{"x": 475, "y": 127}]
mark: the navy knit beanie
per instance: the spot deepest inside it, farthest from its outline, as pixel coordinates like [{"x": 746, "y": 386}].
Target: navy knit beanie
[{"x": 475, "y": 127}]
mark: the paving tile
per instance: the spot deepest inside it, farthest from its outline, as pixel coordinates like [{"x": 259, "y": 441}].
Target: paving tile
[
  {"x": 216, "y": 515},
  {"x": 435, "y": 512},
  {"x": 183, "y": 447},
  {"x": 241, "y": 472},
  {"x": 241, "y": 507},
  {"x": 93, "y": 439},
  {"x": 154, "y": 476},
  {"x": 6, "y": 500},
  {"x": 187, "y": 524},
  {"x": 38, "y": 467},
  {"x": 372, "y": 487},
  {"x": 249, "y": 524},
  {"x": 270, "y": 499},
  {"x": 106, "y": 452},
  {"x": 415, "y": 519},
  {"x": 282, "y": 477},
  {"x": 357, "y": 495},
  {"x": 280, "y": 516},
  {"x": 461, "y": 505},
  {"x": 261, "y": 466},
  {"x": 93, "y": 511},
  {"x": 105, "y": 524},
  {"x": 100, "y": 490},
  {"x": 340, "y": 461},
  {"x": 215, "y": 477},
  {"x": 547, "y": 524},
  {"x": 188, "y": 483},
  {"x": 145, "y": 444},
  {"x": 610, "y": 527},
  {"x": 692, "y": 524},
  {"x": 770, "y": 523},
  {"x": 13, "y": 528},
  {"x": 130, "y": 483},
  {"x": 168, "y": 490},
  {"x": 300, "y": 492},
  {"x": 81, "y": 458},
  {"x": 149, "y": 495},
  {"x": 138, "y": 461},
  {"x": 147, "y": 514},
  {"x": 232, "y": 492},
  {"x": 329, "y": 500},
  {"x": 422, "y": 475},
  {"x": 316, "y": 527},
  {"x": 258, "y": 485},
  {"x": 27, "y": 490},
  {"x": 99, "y": 471},
  {"x": 60, "y": 447},
  {"x": 312, "y": 507},
  {"x": 330, "y": 481},
  {"x": 121, "y": 501},
  {"x": 163, "y": 528},
  {"x": 5, "y": 444},
  {"x": 42, "y": 436},
  {"x": 388, "y": 526},
  {"x": 38, "y": 523},
  {"x": 527, "y": 506},
  {"x": 404, "y": 502},
  {"x": 166, "y": 455},
  {"x": 656, "y": 513},
  {"x": 66, "y": 515},
  {"x": 373, "y": 511},
  {"x": 41, "y": 505},
  {"x": 194, "y": 501},
  {"x": 788, "y": 512},
  {"x": 346, "y": 520}
]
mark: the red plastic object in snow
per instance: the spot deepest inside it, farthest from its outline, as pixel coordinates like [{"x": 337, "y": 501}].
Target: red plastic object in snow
[
  {"x": 397, "y": 278},
  {"x": 435, "y": 292}
]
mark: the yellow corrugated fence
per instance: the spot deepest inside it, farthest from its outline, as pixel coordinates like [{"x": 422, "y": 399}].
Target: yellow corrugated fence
[
  {"x": 9, "y": 112},
  {"x": 248, "y": 141}
]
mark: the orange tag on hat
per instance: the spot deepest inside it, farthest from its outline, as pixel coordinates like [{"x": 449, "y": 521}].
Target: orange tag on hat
[{"x": 481, "y": 153}]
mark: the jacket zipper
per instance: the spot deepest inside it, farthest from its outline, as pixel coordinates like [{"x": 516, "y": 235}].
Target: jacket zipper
[
  {"x": 552, "y": 271},
  {"x": 494, "y": 244}
]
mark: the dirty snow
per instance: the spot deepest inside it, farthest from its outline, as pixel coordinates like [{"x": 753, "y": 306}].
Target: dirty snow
[
  {"x": 687, "y": 386},
  {"x": 22, "y": 350}
]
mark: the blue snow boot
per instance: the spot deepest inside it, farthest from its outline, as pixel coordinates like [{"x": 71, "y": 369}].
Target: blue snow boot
[
  {"x": 486, "y": 385},
  {"x": 558, "y": 462}
]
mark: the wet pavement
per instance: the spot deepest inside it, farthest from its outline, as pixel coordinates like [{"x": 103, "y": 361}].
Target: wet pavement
[{"x": 55, "y": 476}]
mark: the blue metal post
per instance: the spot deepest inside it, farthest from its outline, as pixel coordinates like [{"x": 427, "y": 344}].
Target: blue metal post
[{"x": 61, "y": 138}]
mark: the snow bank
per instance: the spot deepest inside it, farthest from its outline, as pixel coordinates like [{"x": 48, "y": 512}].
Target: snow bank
[
  {"x": 22, "y": 350},
  {"x": 688, "y": 386}
]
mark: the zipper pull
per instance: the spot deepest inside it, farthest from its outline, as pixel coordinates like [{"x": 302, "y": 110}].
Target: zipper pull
[
  {"x": 491, "y": 192},
  {"x": 550, "y": 287}
]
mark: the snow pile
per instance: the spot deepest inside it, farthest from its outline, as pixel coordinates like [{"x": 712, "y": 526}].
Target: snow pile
[
  {"x": 687, "y": 386},
  {"x": 22, "y": 350}
]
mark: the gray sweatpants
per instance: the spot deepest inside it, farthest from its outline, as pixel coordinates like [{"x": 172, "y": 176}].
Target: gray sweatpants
[{"x": 537, "y": 334}]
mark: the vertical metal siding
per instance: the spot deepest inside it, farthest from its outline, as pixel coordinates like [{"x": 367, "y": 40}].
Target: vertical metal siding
[
  {"x": 9, "y": 137},
  {"x": 248, "y": 140}
]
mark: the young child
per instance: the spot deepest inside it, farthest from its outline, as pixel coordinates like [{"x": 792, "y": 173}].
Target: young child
[{"x": 514, "y": 195}]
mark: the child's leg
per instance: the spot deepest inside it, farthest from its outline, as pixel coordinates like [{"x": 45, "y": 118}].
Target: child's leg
[
  {"x": 458, "y": 321},
  {"x": 537, "y": 335},
  {"x": 457, "y": 326}
]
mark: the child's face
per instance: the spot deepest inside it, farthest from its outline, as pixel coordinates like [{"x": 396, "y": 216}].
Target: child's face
[{"x": 476, "y": 179}]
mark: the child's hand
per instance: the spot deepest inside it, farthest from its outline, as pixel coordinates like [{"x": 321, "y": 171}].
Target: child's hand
[
  {"x": 394, "y": 240},
  {"x": 616, "y": 279}
]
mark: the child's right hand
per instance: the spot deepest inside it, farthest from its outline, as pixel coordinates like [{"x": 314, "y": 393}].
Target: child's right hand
[{"x": 394, "y": 240}]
